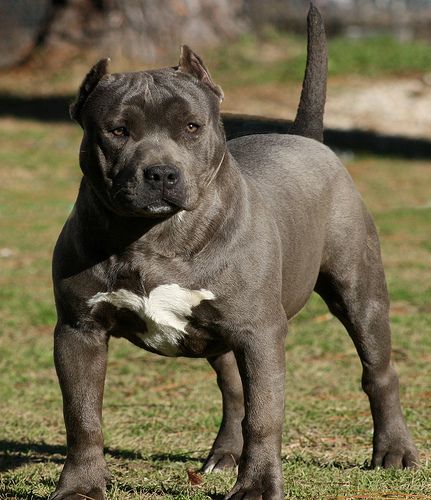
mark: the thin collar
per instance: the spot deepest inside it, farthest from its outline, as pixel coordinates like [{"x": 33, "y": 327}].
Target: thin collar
[{"x": 217, "y": 169}]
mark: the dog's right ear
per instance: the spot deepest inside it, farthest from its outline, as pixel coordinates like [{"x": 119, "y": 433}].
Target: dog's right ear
[
  {"x": 89, "y": 83},
  {"x": 192, "y": 64}
]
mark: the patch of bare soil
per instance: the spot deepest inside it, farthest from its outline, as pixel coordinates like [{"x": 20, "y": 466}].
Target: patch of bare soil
[
  {"x": 396, "y": 106},
  {"x": 393, "y": 107}
]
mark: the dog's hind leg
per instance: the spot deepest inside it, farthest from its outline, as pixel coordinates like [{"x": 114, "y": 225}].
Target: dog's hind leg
[
  {"x": 227, "y": 447},
  {"x": 355, "y": 292}
]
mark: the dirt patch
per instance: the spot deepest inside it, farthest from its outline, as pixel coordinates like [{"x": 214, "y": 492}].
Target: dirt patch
[
  {"x": 398, "y": 107},
  {"x": 392, "y": 107}
]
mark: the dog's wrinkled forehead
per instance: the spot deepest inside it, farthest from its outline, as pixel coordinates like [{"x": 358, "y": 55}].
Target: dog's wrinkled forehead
[
  {"x": 151, "y": 91},
  {"x": 189, "y": 81}
]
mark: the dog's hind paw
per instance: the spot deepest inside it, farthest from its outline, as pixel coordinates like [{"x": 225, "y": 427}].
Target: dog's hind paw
[
  {"x": 220, "y": 460},
  {"x": 395, "y": 453}
]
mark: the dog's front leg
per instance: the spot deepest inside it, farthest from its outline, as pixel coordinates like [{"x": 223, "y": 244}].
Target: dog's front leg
[
  {"x": 80, "y": 361},
  {"x": 261, "y": 361}
]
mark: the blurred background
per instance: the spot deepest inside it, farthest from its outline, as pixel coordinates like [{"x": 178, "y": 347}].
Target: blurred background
[
  {"x": 161, "y": 414},
  {"x": 255, "y": 49}
]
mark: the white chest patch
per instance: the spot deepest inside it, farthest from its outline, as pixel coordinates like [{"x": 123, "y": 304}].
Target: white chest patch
[{"x": 165, "y": 312}]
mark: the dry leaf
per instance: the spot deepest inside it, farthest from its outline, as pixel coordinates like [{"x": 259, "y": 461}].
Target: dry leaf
[{"x": 195, "y": 479}]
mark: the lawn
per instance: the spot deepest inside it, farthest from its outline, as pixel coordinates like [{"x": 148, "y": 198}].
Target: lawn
[
  {"x": 270, "y": 59},
  {"x": 160, "y": 415}
]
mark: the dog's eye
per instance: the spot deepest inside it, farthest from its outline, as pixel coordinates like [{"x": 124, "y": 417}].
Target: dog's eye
[
  {"x": 192, "y": 127},
  {"x": 120, "y": 132}
]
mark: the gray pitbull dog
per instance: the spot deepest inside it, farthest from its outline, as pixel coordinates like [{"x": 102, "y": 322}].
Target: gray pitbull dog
[{"x": 190, "y": 246}]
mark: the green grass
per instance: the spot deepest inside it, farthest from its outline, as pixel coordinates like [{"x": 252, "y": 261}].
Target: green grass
[
  {"x": 280, "y": 58},
  {"x": 275, "y": 57},
  {"x": 161, "y": 415}
]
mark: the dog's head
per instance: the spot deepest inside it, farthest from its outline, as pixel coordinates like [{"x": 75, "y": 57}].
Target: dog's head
[{"x": 153, "y": 140}]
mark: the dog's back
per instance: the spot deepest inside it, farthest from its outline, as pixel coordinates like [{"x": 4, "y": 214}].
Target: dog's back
[{"x": 294, "y": 173}]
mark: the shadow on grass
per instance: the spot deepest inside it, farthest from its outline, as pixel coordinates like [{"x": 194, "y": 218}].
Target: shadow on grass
[
  {"x": 56, "y": 109},
  {"x": 158, "y": 491},
  {"x": 325, "y": 464},
  {"x": 173, "y": 457},
  {"x": 44, "y": 108},
  {"x": 15, "y": 454},
  {"x": 11, "y": 493},
  {"x": 156, "y": 457}
]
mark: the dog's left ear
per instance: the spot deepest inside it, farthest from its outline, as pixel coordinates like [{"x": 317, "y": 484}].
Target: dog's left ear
[
  {"x": 90, "y": 82},
  {"x": 192, "y": 64}
]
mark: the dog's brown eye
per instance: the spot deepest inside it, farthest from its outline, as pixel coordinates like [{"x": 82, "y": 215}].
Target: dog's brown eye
[
  {"x": 192, "y": 127},
  {"x": 120, "y": 132}
]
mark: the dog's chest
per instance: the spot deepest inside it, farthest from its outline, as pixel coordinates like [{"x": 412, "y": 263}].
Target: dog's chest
[{"x": 166, "y": 313}]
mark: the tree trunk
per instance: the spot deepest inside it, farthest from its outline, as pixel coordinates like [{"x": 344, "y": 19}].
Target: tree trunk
[
  {"x": 143, "y": 30},
  {"x": 22, "y": 23}
]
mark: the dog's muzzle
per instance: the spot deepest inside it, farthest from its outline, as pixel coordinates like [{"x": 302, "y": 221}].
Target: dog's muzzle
[
  {"x": 166, "y": 180},
  {"x": 154, "y": 190}
]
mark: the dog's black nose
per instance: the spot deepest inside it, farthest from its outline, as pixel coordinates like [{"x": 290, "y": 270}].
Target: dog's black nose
[{"x": 162, "y": 175}]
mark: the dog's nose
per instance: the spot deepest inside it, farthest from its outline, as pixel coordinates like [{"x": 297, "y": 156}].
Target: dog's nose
[{"x": 162, "y": 175}]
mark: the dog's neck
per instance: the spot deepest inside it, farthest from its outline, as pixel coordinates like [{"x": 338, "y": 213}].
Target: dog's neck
[{"x": 183, "y": 234}]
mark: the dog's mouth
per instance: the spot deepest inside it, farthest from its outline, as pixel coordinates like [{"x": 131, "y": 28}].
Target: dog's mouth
[
  {"x": 132, "y": 204},
  {"x": 161, "y": 207}
]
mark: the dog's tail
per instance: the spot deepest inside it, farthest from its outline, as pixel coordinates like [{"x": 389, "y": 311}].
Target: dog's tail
[{"x": 309, "y": 117}]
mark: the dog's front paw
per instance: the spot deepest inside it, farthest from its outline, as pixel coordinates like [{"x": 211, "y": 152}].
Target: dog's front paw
[
  {"x": 82, "y": 481},
  {"x": 62, "y": 494},
  {"x": 220, "y": 460},
  {"x": 241, "y": 492},
  {"x": 392, "y": 450},
  {"x": 253, "y": 485}
]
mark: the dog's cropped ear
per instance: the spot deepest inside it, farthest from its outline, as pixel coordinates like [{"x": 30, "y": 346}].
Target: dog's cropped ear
[
  {"x": 192, "y": 64},
  {"x": 87, "y": 86}
]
